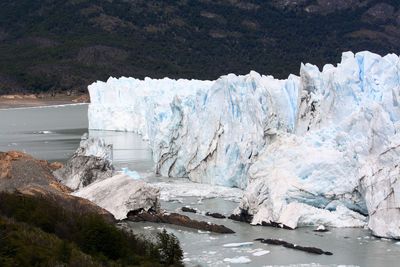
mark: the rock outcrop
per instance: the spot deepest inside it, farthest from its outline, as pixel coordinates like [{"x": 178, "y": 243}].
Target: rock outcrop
[
  {"x": 92, "y": 161},
  {"x": 278, "y": 242},
  {"x": 187, "y": 209},
  {"x": 23, "y": 174},
  {"x": 178, "y": 219}
]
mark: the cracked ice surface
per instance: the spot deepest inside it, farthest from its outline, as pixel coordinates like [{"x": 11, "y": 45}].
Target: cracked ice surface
[{"x": 309, "y": 150}]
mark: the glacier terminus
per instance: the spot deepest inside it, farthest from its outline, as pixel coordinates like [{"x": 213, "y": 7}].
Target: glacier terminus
[{"x": 322, "y": 148}]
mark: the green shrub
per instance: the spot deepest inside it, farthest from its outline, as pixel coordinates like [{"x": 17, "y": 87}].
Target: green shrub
[
  {"x": 39, "y": 232},
  {"x": 170, "y": 251}
]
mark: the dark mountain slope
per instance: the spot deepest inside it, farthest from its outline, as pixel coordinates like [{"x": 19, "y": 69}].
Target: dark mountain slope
[{"x": 66, "y": 45}]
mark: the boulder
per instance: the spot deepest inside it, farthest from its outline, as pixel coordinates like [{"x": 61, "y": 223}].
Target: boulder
[
  {"x": 215, "y": 215},
  {"x": 187, "y": 209}
]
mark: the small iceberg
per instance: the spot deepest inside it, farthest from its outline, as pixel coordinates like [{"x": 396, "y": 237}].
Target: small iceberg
[
  {"x": 261, "y": 253},
  {"x": 237, "y": 245},
  {"x": 241, "y": 259}
]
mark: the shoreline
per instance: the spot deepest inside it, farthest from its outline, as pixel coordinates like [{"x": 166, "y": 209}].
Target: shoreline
[
  {"x": 43, "y": 106},
  {"x": 32, "y": 101}
]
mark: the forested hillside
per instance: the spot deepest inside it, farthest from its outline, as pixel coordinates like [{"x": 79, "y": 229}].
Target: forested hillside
[{"x": 64, "y": 45}]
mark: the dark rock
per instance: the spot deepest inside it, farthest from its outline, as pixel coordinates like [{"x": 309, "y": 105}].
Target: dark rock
[
  {"x": 244, "y": 216},
  {"x": 187, "y": 209},
  {"x": 321, "y": 230},
  {"x": 216, "y": 215},
  {"x": 277, "y": 242},
  {"x": 178, "y": 219}
]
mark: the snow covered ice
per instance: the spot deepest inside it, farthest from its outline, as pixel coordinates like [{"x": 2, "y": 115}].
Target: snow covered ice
[{"x": 319, "y": 149}]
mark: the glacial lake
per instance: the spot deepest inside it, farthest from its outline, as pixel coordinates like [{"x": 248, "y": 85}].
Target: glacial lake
[{"x": 53, "y": 133}]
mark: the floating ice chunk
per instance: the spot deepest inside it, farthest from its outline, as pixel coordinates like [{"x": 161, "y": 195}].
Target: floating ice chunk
[
  {"x": 236, "y": 245},
  {"x": 261, "y": 253},
  {"x": 237, "y": 260},
  {"x": 121, "y": 194}
]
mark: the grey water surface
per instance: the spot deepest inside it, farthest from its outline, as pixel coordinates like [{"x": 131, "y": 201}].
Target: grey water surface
[{"x": 53, "y": 133}]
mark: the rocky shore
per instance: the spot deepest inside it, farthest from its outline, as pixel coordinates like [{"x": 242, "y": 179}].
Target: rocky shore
[
  {"x": 37, "y": 100},
  {"x": 28, "y": 176}
]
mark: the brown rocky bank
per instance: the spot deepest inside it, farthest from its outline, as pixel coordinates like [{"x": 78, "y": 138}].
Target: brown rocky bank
[{"x": 23, "y": 174}]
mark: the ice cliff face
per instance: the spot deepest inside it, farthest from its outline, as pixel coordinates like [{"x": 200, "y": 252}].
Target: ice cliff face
[
  {"x": 208, "y": 131},
  {"x": 335, "y": 162},
  {"x": 312, "y": 149}
]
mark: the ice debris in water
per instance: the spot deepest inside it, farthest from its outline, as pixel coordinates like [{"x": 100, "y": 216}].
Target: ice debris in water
[
  {"x": 261, "y": 253},
  {"x": 235, "y": 245},
  {"x": 237, "y": 260}
]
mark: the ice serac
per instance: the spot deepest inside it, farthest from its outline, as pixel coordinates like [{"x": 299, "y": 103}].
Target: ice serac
[
  {"x": 341, "y": 161},
  {"x": 310, "y": 150},
  {"x": 381, "y": 185}
]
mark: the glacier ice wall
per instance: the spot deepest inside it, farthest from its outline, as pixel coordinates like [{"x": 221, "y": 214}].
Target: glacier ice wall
[
  {"x": 209, "y": 131},
  {"x": 348, "y": 118},
  {"x": 308, "y": 150}
]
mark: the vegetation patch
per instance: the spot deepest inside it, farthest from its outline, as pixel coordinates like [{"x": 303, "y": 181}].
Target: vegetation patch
[{"x": 38, "y": 232}]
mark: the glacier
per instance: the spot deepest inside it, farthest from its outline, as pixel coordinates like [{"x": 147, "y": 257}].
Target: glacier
[
  {"x": 316, "y": 149},
  {"x": 209, "y": 131}
]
